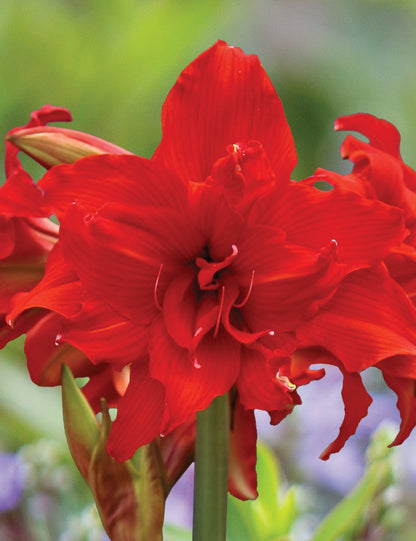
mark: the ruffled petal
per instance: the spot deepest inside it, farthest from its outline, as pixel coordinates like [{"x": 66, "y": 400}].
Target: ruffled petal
[
  {"x": 222, "y": 97},
  {"x": 381, "y": 134},
  {"x": 368, "y": 319},
  {"x": 243, "y": 453},
  {"x": 356, "y": 402},
  {"x": 385, "y": 173},
  {"x": 312, "y": 218},
  {"x": 96, "y": 180},
  {"x": 139, "y": 415},
  {"x": 191, "y": 384},
  {"x": 405, "y": 389}
]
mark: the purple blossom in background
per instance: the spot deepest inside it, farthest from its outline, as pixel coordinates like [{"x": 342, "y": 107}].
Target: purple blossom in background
[{"x": 12, "y": 481}]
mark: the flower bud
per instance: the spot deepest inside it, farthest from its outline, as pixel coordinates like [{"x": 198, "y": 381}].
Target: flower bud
[
  {"x": 51, "y": 146},
  {"x": 130, "y": 496}
]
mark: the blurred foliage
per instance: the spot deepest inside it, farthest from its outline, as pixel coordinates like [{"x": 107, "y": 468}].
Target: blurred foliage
[{"x": 112, "y": 64}]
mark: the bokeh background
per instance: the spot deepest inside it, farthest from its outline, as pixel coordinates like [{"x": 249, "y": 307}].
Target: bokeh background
[{"x": 112, "y": 64}]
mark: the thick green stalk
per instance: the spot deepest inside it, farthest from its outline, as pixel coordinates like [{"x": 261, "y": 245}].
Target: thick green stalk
[{"x": 211, "y": 472}]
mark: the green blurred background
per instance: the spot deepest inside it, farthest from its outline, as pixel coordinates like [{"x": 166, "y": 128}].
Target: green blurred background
[{"x": 112, "y": 64}]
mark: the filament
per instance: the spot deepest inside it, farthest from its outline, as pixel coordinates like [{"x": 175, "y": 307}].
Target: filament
[
  {"x": 250, "y": 288},
  {"x": 158, "y": 306}
]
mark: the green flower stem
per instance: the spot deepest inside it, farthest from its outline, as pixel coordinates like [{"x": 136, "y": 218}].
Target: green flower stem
[{"x": 211, "y": 472}]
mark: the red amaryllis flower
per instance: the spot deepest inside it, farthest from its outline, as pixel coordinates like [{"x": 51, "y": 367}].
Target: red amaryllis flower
[{"x": 197, "y": 268}]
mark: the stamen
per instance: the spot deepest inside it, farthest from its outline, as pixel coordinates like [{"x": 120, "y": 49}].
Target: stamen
[
  {"x": 250, "y": 288},
  {"x": 158, "y": 306},
  {"x": 217, "y": 325},
  {"x": 285, "y": 381}
]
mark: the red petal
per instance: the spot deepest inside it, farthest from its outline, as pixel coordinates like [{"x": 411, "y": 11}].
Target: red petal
[
  {"x": 104, "y": 336},
  {"x": 139, "y": 416},
  {"x": 118, "y": 253},
  {"x": 368, "y": 319},
  {"x": 190, "y": 384},
  {"x": 356, "y": 402},
  {"x": 45, "y": 357},
  {"x": 179, "y": 308},
  {"x": 96, "y": 180},
  {"x": 258, "y": 384},
  {"x": 289, "y": 281},
  {"x": 405, "y": 389},
  {"x": 382, "y": 134},
  {"x": 243, "y": 453},
  {"x": 222, "y": 97},
  {"x": 385, "y": 173},
  {"x": 24, "y": 247},
  {"x": 312, "y": 218},
  {"x": 219, "y": 224},
  {"x": 103, "y": 384},
  {"x": 177, "y": 449}
]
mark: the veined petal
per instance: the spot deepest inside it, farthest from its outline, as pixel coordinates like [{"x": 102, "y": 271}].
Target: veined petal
[
  {"x": 179, "y": 308},
  {"x": 368, "y": 319},
  {"x": 104, "y": 336},
  {"x": 243, "y": 453},
  {"x": 312, "y": 218},
  {"x": 191, "y": 384},
  {"x": 290, "y": 281},
  {"x": 218, "y": 223},
  {"x": 118, "y": 253},
  {"x": 222, "y": 97},
  {"x": 139, "y": 415},
  {"x": 96, "y": 180}
]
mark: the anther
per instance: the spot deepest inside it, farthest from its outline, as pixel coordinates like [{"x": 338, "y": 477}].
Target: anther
[
  {"x": 158, "y": 306},
  {"x": 285, "y": 381},
  {"x": 250, "y": 288}
]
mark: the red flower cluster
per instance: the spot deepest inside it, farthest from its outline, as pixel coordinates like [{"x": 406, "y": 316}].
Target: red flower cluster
[{"x": 206, "y": 269}]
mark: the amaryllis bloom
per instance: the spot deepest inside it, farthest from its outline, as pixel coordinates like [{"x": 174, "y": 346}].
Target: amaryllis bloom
[{"x": 199, "y": 270}]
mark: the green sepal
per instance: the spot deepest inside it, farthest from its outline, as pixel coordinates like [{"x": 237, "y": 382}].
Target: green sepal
[
  {"x": 130, "y": 496},
  {"x": 81, "y": 427}
]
